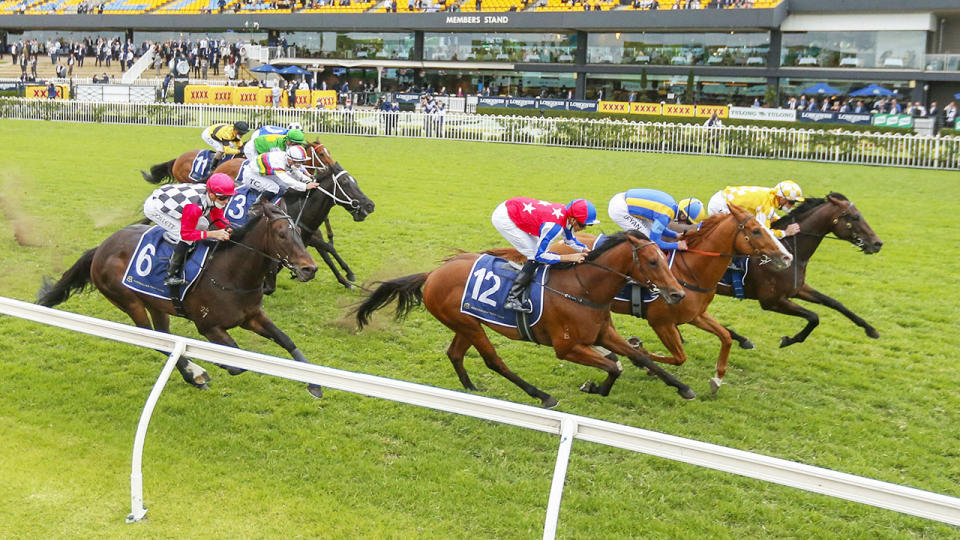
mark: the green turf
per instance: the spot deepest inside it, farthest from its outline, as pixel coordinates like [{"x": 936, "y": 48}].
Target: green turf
[{"x": 256, "y": 457}]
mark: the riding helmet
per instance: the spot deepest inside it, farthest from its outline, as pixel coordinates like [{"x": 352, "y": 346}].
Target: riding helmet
[
  {"x": 221, "y": 184},
  {"x": 295, "y": 136},
  {"x": 241, "y": 127},
  {"x": 583, "y": 211},
  {"x": 693, "y": 209}
]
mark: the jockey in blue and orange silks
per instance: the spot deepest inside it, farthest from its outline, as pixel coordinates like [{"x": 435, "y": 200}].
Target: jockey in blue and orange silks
[
  {"x": 531, "y": 225},
  {"x": 650, "y": 211}
]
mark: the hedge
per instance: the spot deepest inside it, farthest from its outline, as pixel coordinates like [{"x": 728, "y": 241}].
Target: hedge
[{"x": 509, "y": 111}]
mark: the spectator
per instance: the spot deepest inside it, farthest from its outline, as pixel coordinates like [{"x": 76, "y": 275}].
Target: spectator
[
  {"x": 756, "y": 103},
  {"x": 792, "y": 104},
  {"x": 713, "y": 121},
  {"x": 166, "y": 85},
  {"x": 51, "y": 90},
  {"x": 275, "y": 93},
  {"x": 895, "y": 107},
  {"x": 950, "y": 114},
  {"x": 860, "y": 109},
  {"x": 802, "y": 104}
]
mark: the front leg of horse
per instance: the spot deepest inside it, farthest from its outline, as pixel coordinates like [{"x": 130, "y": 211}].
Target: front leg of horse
[
  {"x": 707, "y": 323},
  {"x": 262, "y": 325},
  {"x": 743, "y": 341},
  {"x": 326, "y": 250},
  {"x": 612, "y": 341},
  {"x": 810, "y": 294},
  {"x": 787, "y": 307},
  {"x": 584, "y": 355},
  {"x": 220, "y": 336}
]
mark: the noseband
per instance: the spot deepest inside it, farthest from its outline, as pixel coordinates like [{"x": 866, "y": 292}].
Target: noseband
[{"x": 323, "y": 168}]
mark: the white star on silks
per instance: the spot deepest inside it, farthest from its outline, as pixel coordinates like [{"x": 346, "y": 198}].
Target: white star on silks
[
  {"x": 556, "y": 212},
  {"x": 544, "y": 203},
  {"x": 527, "y": 207}
]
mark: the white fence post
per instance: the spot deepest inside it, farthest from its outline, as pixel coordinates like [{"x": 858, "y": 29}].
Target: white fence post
[
  {"x": 137, "y": 511},
  {"x": 568, "y": 429}
]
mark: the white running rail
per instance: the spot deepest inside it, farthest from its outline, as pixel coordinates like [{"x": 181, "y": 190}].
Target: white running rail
[
  {"x": 865, "y": 148},
  {"x": 901, "y": 499}
]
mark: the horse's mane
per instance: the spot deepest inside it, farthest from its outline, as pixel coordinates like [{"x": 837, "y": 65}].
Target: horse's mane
[
  {"x": 609, "y": 243},
  {"x": 799, "y": 213},
  {"x": 256, "y": 214},
  {"x": 707, "y": 227}
]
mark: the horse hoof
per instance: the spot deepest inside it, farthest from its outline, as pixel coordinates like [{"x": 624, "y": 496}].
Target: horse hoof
[
  {"x": 588, "y": 387},
  {"x": 315, "y": 390},
  {"x": 235, "y": 370},
  {"x": 549, "y": 402},
  {"x": 687, "y": 393},
  {"x": 347, "y": 285},
  {"x": 203, "y": 387},
  {"x": 872, "y": 333},
  {"x": 201, "y": 379},
  {"x": 746, "y": 344},
  {"x": 785, "y": 341},
  {"x": 635, "y": 342},
  {"x": 715, "y": 384}
]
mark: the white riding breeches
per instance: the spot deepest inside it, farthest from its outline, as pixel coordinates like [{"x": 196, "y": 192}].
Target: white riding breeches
[
  {"x": 523, "y": 241},
  {"x": 718, "y": 204},
  {"x": 207, "y": 138},
  {"x": 250, "y": 150},
  {"x": 619, "y": 213},
  {"x": 251, "y": 177}
]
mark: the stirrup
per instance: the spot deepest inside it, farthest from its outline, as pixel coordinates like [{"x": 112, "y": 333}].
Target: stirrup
[
  {"x": 518, "y": 305},
  {"x": 173, "y": 281}
]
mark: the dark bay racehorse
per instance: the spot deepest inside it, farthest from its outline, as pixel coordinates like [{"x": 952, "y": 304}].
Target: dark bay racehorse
[
  {"x": 774, "y": 289},
  {"x": 575, "y": 316},
  {"x": 227, "y": 293},
  {"x": 698, "y": 269},
  {"x": 337, "y": 186}
]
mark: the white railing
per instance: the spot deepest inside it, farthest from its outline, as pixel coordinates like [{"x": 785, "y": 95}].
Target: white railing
[
  {"x": 141, "y": 65},
  {"x": 887, "y": 149},
  {"x": 567, "y": 426}
]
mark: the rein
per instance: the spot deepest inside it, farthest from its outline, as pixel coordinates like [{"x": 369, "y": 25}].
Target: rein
[
  {"x": 278, "y": 259},
  {"x": 696, "y": 288},
  {"x": 589, "y": 303}
]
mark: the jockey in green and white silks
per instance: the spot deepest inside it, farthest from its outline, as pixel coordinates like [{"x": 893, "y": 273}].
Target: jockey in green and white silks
[
  {"x": 267, "y": 143},
  {"x": 273, "y": 173}
]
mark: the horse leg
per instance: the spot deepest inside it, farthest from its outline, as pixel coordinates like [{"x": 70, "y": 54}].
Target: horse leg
[
  {"x": 333, "y": 250},
  {"x": 585, "y": 356},
  {"x": 706, "y": 322},
  {"x": 669, "y": 335},
  {"x": 810, "y": 294},
  {"x": 191, "y": 373},
  {"x": 326, "y": 250},
  {"x": 613, "y": 341},
  {"x": 458, "y": 347},
  {"x": 786, "y": 307},
  {"x": 744, "y": 341},
  {"x": 482, "y": 344},
  {"x": 261, "y": 324}
]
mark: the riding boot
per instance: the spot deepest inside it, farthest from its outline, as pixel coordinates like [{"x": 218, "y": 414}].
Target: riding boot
[
  {"x": 176, "y": 265},
  {"x": 524, "y": 277},
  {"x": 270, "y": 279},
  {"x": 217, "y": 158}
]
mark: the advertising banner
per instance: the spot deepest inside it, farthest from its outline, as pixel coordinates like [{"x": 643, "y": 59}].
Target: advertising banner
[
  {"x": 893, "y": 120},
  {"x": 402, "y": 98},
  {"x": 616, "y": 107},
  {"x": 553, "y": 104},
  {"x": 304, "y": 99},
  {"x": 646, "y": 108},
  {"x": 245, "y": 95},
  {"x": 678, "y": 110},
  {"x": 522, "y": 103},
  {"x": 222, "y": 95},
  {"x": 706, "y": 111},
  {"x": 581, "y": 105},
  {"x": 491, "y": 102},
  {"x": 326, "y": 99},
  {"x": 195, "y": 93},
  {"x": 40, "y": 92},
  {"x": 757, "y": 113},
  {"x": 854, "y": 118},
  {"x": 813, "y": 116}
]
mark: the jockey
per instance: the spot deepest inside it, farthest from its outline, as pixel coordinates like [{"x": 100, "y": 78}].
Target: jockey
[
  {"x": 691, "y": 211},
  {"x": 273, "y": 173},
  {"x": 266, "y": 143},
  {"x": 650, "y": 211},
  {"x": 760, "y": 201},
  {"x": 225, "y": 138},
  {"x": 531, "y": 225},
  {"x": 186, "y": 212},
  {"x": 275, "y": 130}
]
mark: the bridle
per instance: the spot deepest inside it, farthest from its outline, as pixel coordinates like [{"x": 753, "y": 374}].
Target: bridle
[
  {"x": 276, "y": 259},
  {"x": 634, "y": 250},
  {"x": 346, "y": 201},
  {"x": 741, "y": 229},
  {"x": 844, "y": 215}
]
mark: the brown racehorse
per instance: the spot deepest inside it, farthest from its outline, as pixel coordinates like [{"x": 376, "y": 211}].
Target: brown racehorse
[
  {"x": 698, "y": 269},
  {"x": 226, "y": 294},
  {"x": 337, "y": 186},
  {"x": 817, "y": 218},
  {"x": 575, "y": 316}
]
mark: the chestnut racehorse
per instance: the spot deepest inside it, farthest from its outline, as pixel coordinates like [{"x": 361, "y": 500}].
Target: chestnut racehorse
[
  {"x": 226, "y": 294},
  {"x": 699, "y": 269},
  {"x": 817, "y": 218},
  {"x": 337, "y": 186},
  {"x": 576, "y": 310}
]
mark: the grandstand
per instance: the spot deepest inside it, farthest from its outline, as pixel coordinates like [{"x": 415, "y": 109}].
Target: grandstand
[{"x": 734, "y": 51}]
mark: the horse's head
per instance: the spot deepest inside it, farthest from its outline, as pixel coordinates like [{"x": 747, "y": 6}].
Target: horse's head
[
  {"x": 337, "y": 183},
  {"x": 752, "y": 238},
  {"x": 848, "y": 224},
  {"x": 651, "y": 266},
  {"x": 281, "y": 239}
]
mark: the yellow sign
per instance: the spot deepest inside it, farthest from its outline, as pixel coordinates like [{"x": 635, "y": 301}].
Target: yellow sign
[
  {"x": 245, "y": 96},
  {"x": 616, "y": 107},
  {"x": 222, "y": 95},
  {"x": 707, "y": 110},
  {"x": 325, "y": 99},
  {"x": 678, "y": 110},
  {"x": 646, "y": 108},
  {"x": 195, "y": 93},
  {"x": 40, "y": 92}
]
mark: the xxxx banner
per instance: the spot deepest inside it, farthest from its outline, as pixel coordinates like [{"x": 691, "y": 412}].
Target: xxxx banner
[
  {"x": 40, "y": 92},
  {"x": 707, "y": 110},
  {"x": 678, "y": 110},
  {"x": 325, "y": 99},
  {"x": 617, "y": 107},
  {"x": 646, "y": 108},
  {"x": 195, "y": 93}
]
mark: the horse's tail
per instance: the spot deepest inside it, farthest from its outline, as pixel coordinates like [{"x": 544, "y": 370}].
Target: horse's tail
[
  {"x": 160, "y": 172},
  {"x": 407, "y": 291},
  {"x": 73, "y": 280}
]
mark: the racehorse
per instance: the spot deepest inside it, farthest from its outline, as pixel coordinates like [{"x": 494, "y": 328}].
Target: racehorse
[
  {"x": 699, "y": 269},
  {"x": 226, "y": 294},
  {"x": 575, "y": 316},
  {"x": 336, "y": 185},
  {"x": 817, "y": 218}
]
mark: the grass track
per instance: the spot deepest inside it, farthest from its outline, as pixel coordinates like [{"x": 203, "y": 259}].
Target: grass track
[{"x": 256, "y": 457}]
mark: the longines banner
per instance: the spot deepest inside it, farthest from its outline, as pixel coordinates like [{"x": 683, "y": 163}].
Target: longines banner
[
  {"x": 833, "y": 117},
  {"x": 758, "y": 113}
]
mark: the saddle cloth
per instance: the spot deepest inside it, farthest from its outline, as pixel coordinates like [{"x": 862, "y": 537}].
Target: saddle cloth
[
  {"x": 487, "y": 287},
  {"x": 237, "y": 211},
  {"x": 736, "y": 275},
  {"x": 202, "y": 166},
  {"x": 627, "y": 293},
  {"x": 148, "y": 265}
]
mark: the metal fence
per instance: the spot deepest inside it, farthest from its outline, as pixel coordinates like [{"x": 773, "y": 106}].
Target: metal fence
[
  {"x": 568, "y": 427},
  {"x": 864, "y": 148}
]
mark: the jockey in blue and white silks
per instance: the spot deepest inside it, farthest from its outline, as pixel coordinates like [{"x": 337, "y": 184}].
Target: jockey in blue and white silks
[{"x": 648, "y": 211}]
